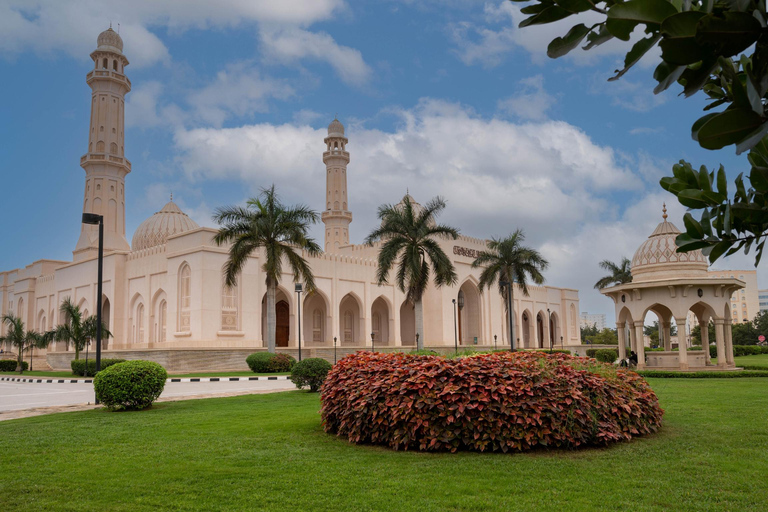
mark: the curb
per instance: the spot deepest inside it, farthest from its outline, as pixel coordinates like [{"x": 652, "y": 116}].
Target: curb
[{"x": 188, "y": 379}]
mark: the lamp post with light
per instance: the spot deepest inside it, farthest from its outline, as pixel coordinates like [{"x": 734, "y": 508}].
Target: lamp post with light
[
  {"x": 298, "y": 292},
  {"x": 95, "y": 219},
  {"x": 334, "y": 349},
  {"x": 373, "y": 348},
  {"x": 549, "y": 329}
]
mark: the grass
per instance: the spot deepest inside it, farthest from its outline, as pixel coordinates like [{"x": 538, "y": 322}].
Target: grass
[
  {"x": 268, "y": 452},
  {"x": 70, "y": 375},
  {"x": 753, "y": 362}
]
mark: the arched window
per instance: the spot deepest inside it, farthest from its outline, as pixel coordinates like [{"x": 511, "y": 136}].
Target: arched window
[
  {"x": 163, "y": 319},
  {"x": 113, "y": 148},
  {"x": 185, "y": 297},
  {"x": 376, "y": 324},
  {"x": 317, "y": 325},
  {"x": 100, "y": 146},
  {"x": 349, "y": 323},
  {"x": 140, "y": 323},
  {"x": 20, "y": 309},
  {"x": 105, "y": 63},
  {"x": 114, "y": 65},
  {"x": 228, "y": 307}
]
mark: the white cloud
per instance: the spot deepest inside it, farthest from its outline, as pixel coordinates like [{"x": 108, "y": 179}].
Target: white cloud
[
  {"x": 237, "y": 91},
  {"x": 50, "y": 26},
  {"x": 531, "y": 100},
  {"x": 290, "y": 44}
]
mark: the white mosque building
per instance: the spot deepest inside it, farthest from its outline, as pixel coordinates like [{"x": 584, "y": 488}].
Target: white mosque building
[{"x": 164, "y": 297}]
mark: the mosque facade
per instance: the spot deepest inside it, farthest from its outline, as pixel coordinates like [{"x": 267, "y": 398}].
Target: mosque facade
[{"x": 164, "y": 296}]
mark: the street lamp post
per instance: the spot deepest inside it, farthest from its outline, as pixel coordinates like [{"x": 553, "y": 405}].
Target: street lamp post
[
  {"x": 298, "y": 291},
  {"x": 334, "y": 349},
  {"x": 455, "y": 329},
  {"x": 549, "y": 329},
  {"x": 494, "y": 342},
  {"x": 95, "y": 219},
  {"x": 511, "y": 324},
  {"x": 373, "y": 347},
  {"x": 417, "y": 341}
]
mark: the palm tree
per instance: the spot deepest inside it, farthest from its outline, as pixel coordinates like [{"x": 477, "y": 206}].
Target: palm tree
[
  {"x": 16, "y": 336},
  {"x": 620, "y": 274},
  {"x": 508, "y": 260},
  {"x": 267, "y": 223},
  {"x": 408, "y": 235},
  {"x": 38, "y": 340},
  {"x": 76, "y": 329}
]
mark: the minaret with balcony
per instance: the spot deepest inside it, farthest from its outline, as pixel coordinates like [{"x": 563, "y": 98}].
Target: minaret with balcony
[
  {"x": 336, "y": 215},
  {"x": 105, "y": 164}
]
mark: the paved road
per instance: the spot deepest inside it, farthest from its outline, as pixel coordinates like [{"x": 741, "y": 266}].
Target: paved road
[{"x": 16, "y": 396}]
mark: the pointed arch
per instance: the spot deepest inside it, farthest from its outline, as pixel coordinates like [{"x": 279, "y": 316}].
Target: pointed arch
[
  {"x": 159, "y": 318},
  {"x": 137, "y": 320},
  {"x": 350, "y": 315},
  {"x": 284, "y": 312},
  {"x": 541, "y": 320},
  {"x": 407, "y": 323},
  {"x": 469, "y": 314},
  {"x": 526, "y": 326},
  {"x": 316, "y": 319},
  {"x": 380, "y": 315},
  {"x": 185, "y": 297}
]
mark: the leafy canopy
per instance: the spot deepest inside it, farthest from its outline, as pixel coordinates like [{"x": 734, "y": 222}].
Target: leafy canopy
[
  {"x": 702, "y": 44},
  {"x": 619, "y": 274}
]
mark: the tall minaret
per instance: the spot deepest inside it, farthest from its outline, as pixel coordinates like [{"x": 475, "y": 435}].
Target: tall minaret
[
  {"x": 336, "y": 215},
  {"x": 105, "y": 163}
]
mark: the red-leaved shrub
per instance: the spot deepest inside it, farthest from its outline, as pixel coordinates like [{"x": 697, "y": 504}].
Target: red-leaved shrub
[{"x": 499, "y": 401}]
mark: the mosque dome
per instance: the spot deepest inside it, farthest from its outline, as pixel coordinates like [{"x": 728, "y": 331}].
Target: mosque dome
[
  {"x": 657, "y": 258},
  {"x": 110, "y": 40},
  {"x": 155, "y": 230},
  {"x": 335, "y": 129}
]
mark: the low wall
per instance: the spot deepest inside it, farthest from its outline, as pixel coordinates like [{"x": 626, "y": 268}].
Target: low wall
[{"x": 671, "y": 359}]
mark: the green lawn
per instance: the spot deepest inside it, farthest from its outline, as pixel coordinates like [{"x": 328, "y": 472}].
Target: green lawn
[
  {"x": 69, "y": 375},
  {"x": 268, "y": 452},
  {"x": 760, "y": 360}
]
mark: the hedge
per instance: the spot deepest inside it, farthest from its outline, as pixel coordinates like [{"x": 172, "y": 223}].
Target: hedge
[
  {"x": 9, "y": 365},
  {"x": 658, "y": 374},
  {"x": 130, "y": 385},
  {"x": 78, "y": 366},
  {"x": 310, "y": 372},
  {"x": 554, "y": 351},
  {"x": 491, "y": 402},
  {"x": 606, "y": 355},
  {"x": 267, "y": 362}
]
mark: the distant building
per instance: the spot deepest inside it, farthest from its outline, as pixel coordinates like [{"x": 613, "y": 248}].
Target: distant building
[
  {"x": 762, "y": 297},
  {"x": 745, "y": 303},
  {"x": 588, "y": 320}
]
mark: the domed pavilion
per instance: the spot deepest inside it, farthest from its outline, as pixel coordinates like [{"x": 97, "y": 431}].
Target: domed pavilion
[{"x": 670, "y": 284}]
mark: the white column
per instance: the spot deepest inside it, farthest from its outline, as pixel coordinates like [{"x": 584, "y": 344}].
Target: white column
[
  {"x": 622, "y": 340},
  {"x": 720, "y": 340},
  {"x": 667, "y": 335},
  {"x": 729, "y": 342},
  {"x": 681, "y": 344},
  {"x": 640, "y": 350},
  {"x": 705, "y": 340}
]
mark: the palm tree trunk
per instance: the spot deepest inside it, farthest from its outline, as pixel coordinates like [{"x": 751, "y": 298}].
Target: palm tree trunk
[
  {"x": 19, "y": 361},
  {"x": 419, "y": 314},
  {"x": 271, "y": 314},
  {"x": 512, "y": 315},
  {"x": 77, "y": 351},
  {"x": 31, "y": 355}
]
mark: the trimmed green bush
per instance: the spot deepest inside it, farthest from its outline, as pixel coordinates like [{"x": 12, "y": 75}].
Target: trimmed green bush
[
  {"x": 423, "y": 352},
  {"x": 267, "y": 362},
  {"x": 281, "y": 363},
  {"x": 554, "y": 351},
  {"x": 78, "y": 366},
  {"x": 130, "y": 385},
  {"x": 591, "y": 352},
  {"x": 310, "y": 372},
  {"x": 606, "y": 355},
  {"x": 9, "y": 365}
]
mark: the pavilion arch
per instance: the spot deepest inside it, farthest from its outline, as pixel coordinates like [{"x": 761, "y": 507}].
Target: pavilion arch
[
  {"x": 554, "y": 328},
  {"x": 316, "y": 318},
  {"x": 541, "y": 328},
  {"x": 526, "y": 326},
  {"x": 283, "y": 315},
  {"x": 380, "y": 317},
  {"x": 159, "y": 319},
  {"x": 470, "y": 315},
  {"x": 137, "y": 320},
  {"x": 665, "y": 318},
  {"x": 407, "y": 323},
  {"x": 350, "y": 319}
]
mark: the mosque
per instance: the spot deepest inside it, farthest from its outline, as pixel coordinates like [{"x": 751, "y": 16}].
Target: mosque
[{"x": 164, "y": 297}]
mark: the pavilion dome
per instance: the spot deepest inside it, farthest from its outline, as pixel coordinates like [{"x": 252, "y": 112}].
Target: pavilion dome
[
  {"x": 109, "y": 40},
  {"x": 155, "y": 230},
  {"x": 657, "y": 258},
  {"x": 335, "y": 129}
]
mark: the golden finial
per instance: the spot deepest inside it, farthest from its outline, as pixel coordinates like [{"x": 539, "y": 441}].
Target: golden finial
[
  {"x": 171, "y": 196},
  {"x": 664, "y": 209}
]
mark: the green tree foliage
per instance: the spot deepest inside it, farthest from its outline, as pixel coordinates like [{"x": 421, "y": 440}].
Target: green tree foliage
[
  {"x": 408, "y": 242},
  {"x": 619, "y": 274},
  {"x": 508, "y": 260},
  {"x": 605, "y": 337},
  {"x": 701, "y": 44},
  {"x": 281, "y": 231},
  {"x": 652, "y": 331},
  {"x": 696, "y": 334},
  {"x": 588, "y": 331},
  {"x": 76, "y": 329},
  {"x": 744, "y": 334}
]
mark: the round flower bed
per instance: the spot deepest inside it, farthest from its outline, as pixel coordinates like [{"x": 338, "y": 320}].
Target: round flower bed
[{"x": 496, "y": 402}]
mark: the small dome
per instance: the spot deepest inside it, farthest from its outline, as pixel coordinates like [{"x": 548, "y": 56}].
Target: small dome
[
  {"x": 657, "y": 258},
  {"x": 335, "y": 129},
  {"x": 110, "y": 40},
  {"x": 417, "y": 208},
  {"x": 155, "y": 230}
]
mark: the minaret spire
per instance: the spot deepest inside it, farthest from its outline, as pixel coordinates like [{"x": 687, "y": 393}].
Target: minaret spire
[
  {"x": 336, "y": 215},
  {"x": 105, "y": 164}
]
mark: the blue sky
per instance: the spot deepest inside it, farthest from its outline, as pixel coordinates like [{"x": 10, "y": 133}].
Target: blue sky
[{"x": 446, "y": 98}]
